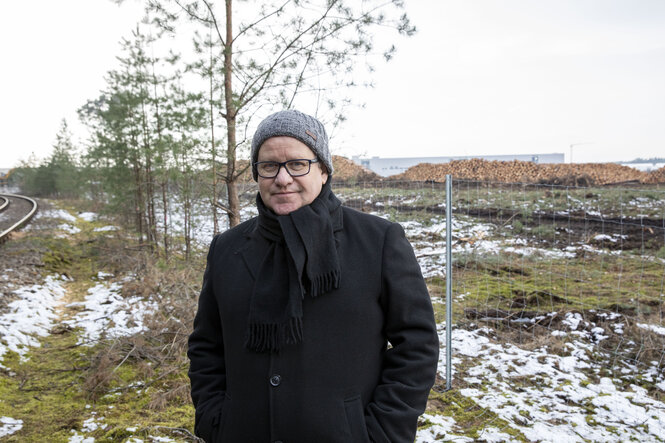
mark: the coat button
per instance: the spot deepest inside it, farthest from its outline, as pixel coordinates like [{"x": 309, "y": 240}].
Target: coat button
[{"x": 275, "y": 380}]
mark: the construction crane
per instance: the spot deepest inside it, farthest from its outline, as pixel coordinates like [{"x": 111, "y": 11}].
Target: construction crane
[{"x": 4, "y": 177}]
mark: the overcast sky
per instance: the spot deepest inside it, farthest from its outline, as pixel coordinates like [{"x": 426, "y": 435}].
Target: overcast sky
[{"x": 481, "y": 77}]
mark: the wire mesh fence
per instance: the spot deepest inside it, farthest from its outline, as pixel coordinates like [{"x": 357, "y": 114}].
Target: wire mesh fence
[{"x": 536, "y": 261}]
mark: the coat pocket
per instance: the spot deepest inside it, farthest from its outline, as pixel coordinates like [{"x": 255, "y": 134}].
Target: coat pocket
[
  {"x": 355, "y": 417},
  {"x": 219, "y": 430}
]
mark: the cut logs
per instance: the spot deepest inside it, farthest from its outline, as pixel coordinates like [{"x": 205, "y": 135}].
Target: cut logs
[
  {"x": 565, "y": 174},
  {"x": 576, "y": 174}
]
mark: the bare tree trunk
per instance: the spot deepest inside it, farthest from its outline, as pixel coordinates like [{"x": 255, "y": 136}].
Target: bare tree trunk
[
  {"x": 187, "y": 207},
  {"x": 151, "y": 227},
  {"x": 215, "y": 221},
  {"x": 163, "y": 182},
  {"x": 138, "y": 197},
  {"x": 165, "y": 204},
  {"x": 231, "y": 179}
]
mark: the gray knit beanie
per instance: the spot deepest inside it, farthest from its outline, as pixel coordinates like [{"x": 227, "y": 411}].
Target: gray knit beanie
[{"x": 292, "y": 123}]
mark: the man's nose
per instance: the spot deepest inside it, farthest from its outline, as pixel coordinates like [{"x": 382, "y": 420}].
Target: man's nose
[{"x": 283, "y": 178}]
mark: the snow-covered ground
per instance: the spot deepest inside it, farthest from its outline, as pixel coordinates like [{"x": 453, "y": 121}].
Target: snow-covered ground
[
  {"x": 202, "y": 224},
  {"x": 547, "y": 397},
  {"x": 106, "y": 314},
  {"x": 37, "y": 309},
  {"x": 30, "y": 316},
  {"x": 535, "y": 393},
  {"x": 471, "y": 237}
]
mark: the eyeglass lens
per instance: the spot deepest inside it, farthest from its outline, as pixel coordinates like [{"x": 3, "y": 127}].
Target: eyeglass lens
[{"x": 293, "y": 167}]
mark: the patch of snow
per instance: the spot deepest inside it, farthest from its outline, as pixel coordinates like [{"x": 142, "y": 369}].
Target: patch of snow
[
  {"x": 69, "y": 228},
  {"x": 601, "y": 237},
  {"x": 657, "y": 329},
  {"x": 89, "y": 425},
  {"x": 107, "y": 314},
  {"x": 598, "y": 334},
  {"x": 88, "y": 216},
  {"x": 494, "y": 435},
  {"x": 101, "y": 275},
  {"x": 58, "y": 213},
  {"x": 440, "y": 430},
  {"x": 573, "y": 320},
  {"x": 106, "y": 229},
  {"x": 93, "y": 423},
  {"x": 31, "y": 314},
  {"x": 10, "y": 426},
  {"x": 78, "y": 438}
]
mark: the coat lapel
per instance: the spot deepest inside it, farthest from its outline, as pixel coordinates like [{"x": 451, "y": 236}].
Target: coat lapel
[{"x": 253, "y": 250}]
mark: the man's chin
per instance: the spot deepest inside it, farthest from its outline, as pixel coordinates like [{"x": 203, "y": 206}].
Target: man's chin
[{"x": 284, "y": 208}]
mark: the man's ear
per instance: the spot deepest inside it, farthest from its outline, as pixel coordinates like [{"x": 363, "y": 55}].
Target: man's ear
[{"x": 324, "y": 172}]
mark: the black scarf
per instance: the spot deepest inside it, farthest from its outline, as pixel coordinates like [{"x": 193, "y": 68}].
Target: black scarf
[{"x": 301, "y": 260}]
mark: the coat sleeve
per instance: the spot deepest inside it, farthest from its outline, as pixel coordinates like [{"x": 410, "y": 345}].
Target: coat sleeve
[
  {"x": 409, "y": 366},
  {"x": 207, "y": 372}
]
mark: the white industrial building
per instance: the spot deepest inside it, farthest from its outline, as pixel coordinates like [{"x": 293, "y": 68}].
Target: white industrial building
[{"x": 392, "y": 166}]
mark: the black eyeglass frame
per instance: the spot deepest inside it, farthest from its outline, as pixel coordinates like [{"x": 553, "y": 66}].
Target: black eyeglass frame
[{"x": 283, "y": 164}]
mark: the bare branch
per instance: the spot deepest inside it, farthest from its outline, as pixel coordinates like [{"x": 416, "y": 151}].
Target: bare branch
[
  {"x": 214, "y": 21},
  {"x": 190, "y": 12},
  {"x": 242, "y": 170},
  {"x": 222, "y": 207},
  {"x": 300, "y": 79},
  {"x": 242, "y": 100},
  {"x": 251, "y": 25}
]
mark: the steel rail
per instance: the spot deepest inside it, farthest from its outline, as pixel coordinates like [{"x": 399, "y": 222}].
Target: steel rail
[
  {"x": 5, "y": 234},
  {"x": 4, "y": 204}
]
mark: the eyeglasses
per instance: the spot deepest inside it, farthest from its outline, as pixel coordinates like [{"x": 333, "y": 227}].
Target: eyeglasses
[{"x": 295, "y": 168}]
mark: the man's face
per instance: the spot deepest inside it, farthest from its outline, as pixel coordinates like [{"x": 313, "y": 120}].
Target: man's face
[{"x": 284, "y": 194}]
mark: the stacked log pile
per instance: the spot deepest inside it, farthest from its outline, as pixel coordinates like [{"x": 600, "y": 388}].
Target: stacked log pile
[
  {"x": 657, "y": 176},
  {"x": 580, "y": 174},
  {"x": 347, "y": 171},
  {"x": 577, "y": 174}
]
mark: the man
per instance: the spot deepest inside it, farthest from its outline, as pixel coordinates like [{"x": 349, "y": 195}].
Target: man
[{"x": 314, "y": 323}]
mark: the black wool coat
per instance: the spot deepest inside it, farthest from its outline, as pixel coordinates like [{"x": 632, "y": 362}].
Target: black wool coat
[{"x": 366, "y": 363}]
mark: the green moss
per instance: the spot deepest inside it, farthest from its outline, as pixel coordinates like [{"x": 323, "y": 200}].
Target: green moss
[
  {"x": 518, "y": 227},
  {"x": 470, "y": 418},
  {"x": 51, "y": 389},
  {"x": 47, "y": 392},
  {"x": 661, "y": 253}
]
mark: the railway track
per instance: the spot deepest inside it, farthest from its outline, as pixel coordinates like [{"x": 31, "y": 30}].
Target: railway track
[{"x": 15, "y": 212}]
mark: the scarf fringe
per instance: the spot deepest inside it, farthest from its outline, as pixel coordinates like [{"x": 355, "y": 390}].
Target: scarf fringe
[
  {"x": 325, "y": 283},
  {"x": 270, "y": 337}
]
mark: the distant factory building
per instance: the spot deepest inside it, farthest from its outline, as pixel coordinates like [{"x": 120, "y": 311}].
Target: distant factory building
[{"x": 392, "y": 166}]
